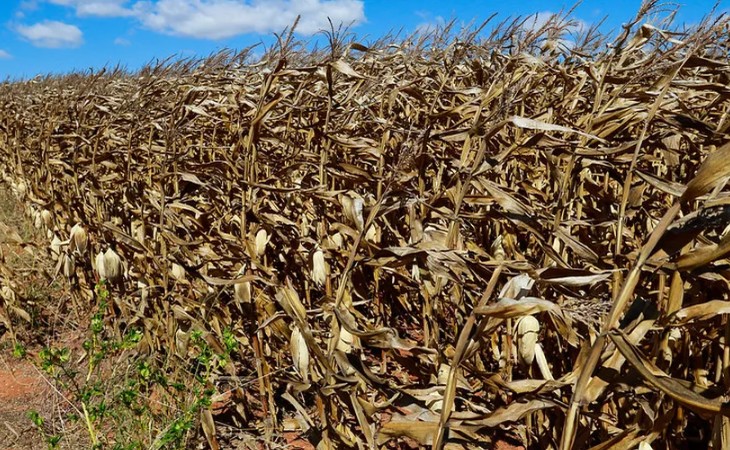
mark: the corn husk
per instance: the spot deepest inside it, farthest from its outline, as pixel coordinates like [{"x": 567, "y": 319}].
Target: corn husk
[
  {"x": 37, "y": 219},
  {"x": 69, "y": 265},
  {"x": 542, "y": 363},
  {"x": 78, "y": 240},
  {"x": 352, "y": 209},
  {"x": 242, "y": 291},
  {"x": 320, "y": 269},
  {"x": 99, "y": 266},
  {"x": 528, "y": 330},
  {"x": 47, "y": 218},
  {"x": 300, "y": 353},
  {"x": 56, "y": 247},
  {"x": 262, "y": 239},
  {"x": 112, "y": 264}
]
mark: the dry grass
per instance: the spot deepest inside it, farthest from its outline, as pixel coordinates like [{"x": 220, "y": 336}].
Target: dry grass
[
  {"x": 25, "y": 270},
  {"x": 453, "y": 185},
  {"x": 23, "y": 387}
]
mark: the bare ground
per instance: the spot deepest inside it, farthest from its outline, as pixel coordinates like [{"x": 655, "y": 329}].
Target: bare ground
[{"x": 22, "y": 387}]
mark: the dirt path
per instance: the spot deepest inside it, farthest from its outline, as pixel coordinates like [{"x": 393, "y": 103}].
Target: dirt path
[{"x": 22, "y": 389}]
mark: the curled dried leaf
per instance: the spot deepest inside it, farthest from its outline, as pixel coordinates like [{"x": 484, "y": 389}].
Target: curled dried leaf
[
  {"x": 177, "y": 272},
  {"x": 712, "y": 171},
  {"x": 345, "y": 341},
  {"x": 7, "y": 294}
]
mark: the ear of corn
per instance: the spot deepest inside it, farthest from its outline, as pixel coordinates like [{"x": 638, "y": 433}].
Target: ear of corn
[
  {"x": 528, "y": 331},
  {"x": 112, "y": 266},
  {"x": 78, "y": 240},
  {"x": 262, "y": 239},
  {"x": 300, "y": 353},
  {"x": 46, "y": 219},
  {"x": 56, "y": 244},
  {"x": 242, "y": 291},
  {"x": 99, "y": 265},
  {"x": 319, "y": 268}
]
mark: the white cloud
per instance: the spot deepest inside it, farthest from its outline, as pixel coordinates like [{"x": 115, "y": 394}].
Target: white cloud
[
  {"x": 28, "y": 5},
  {"x": 98, "y": 8},
  {"x": 429, "y": 26},
  {"x": 51, "y": 34},
  {"x": 122, "y": 42},
  {"x": 4, "y": 54},
  {"x": 24, "y": 7},
  {"x": 219, "y": 19}
]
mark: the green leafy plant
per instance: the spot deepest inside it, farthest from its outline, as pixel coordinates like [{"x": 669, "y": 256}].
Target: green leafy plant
[
  {"x": 53, "y": 440},
  {"x": 116, "y": 393},
  {"x": 19, "y": 350}
]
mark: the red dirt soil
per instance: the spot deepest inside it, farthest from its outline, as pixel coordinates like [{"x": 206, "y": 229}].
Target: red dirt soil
[{"x": 22, "y": 388}]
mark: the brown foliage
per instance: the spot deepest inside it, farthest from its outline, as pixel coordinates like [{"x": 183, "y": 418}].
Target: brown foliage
[{"x": 387, "y": 214}]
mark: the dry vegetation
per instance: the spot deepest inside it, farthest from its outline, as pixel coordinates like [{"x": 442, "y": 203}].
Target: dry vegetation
[{"x": 435, "y": 241}]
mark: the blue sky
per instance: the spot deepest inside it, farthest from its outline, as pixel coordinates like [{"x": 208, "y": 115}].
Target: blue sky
[{"x": 56, "y": 36}]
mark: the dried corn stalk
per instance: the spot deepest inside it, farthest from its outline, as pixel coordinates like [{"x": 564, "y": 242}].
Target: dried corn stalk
[{"x": 502, "y": 180}]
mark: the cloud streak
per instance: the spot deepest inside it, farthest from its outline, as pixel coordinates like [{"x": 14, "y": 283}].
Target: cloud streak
[
  {"x": 97, "y": 8},
  {"x": 51, "y": 34},
  {"x": 5, "y": 55},
  {"x": 430, "y": 26},
  {"x": 221, "y": 19}
]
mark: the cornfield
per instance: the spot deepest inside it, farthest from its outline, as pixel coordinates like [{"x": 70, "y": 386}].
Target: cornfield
[{"x": 440, "y": 240}]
